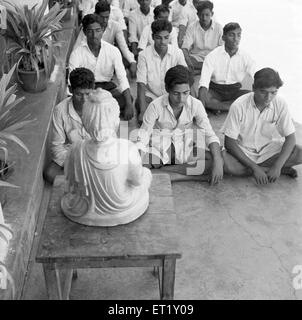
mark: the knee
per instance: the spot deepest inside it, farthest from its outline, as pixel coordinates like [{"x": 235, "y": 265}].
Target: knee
[{"x": 299, "y": 154}]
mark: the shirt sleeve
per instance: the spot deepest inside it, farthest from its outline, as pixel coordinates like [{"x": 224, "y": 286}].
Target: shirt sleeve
[
  {"x": 121, "y": 42},
  {"x": 141, "y": 74},
  {"x": 120, "y": 71},
  {"x": 284, "y": 123},
  {"x": 189, "y": 38},
  {"x": 181, "y": 58},
  {"x": 202, "y": 121},
  {"x": 173, "y": 39},
  {"x": 231, "y": 126},
  {"x": 183, "y": 18},
  {"x": 120, "y": 19},
  {"x": 143, "y": 41},
  {"x": 132, "y": 28},
  {"x": 250, "y": 66},
  {"x": 206, "y": 72},
  {"x": 59, "y": 148}
]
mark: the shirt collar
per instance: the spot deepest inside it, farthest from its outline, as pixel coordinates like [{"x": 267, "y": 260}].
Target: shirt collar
[
  {"x": 166, "y": 103},
  {"x": 237, "y": 53},
  {"x": 169, "y": 51},
  {"x": 270, "y": 106},
  {"x": 71, "y": 111}
]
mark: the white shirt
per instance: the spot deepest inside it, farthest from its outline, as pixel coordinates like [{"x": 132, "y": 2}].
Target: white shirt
[
  {"x": 113, "y": 33},
  {"x": 67, "y": 128},
  {"x": 200, "y": 42},
  {"x": 220, "y": 68},
  {"x": 130, "y": 5},
  {"x": 116, "y": 14},
  {"x": 137, "y": 22},
  {"x": 108, "y": 62},
  {"x": 255, "y": 130},
  {"x": 175, "y": 11},
  {"x": 188, "y": 15},
  {"x": 146, "y": 37},
  {"x": 159, "y": 120},
  {"x": 151, "y": 69}
]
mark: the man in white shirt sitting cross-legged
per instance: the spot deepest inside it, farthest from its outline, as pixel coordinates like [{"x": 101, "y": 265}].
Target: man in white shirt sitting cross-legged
[
  {"x": 201, "y": 37},
  {"x": 176, "y": 131},
  {"x": 153, "y": 63},
  {"x": 259, "y": 133},
  {"x": 104, "y": 60},
  {"x": 223, "y": 71}
]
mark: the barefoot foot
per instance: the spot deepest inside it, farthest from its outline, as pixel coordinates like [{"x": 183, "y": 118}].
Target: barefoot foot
[{"x": 289, "y": 171}]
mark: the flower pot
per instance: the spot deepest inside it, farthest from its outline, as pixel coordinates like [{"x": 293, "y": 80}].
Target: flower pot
[{"x": 29, "y": 81}]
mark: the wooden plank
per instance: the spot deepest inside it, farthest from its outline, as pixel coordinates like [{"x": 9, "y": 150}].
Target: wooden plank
[
  {"x": 154, "y": 234},
  {"x": 52, "y": 281},
  {"x": 168, "y": 279}
]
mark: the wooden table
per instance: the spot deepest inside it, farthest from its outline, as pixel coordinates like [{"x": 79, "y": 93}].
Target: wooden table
[{"x": 151, "y": 241}]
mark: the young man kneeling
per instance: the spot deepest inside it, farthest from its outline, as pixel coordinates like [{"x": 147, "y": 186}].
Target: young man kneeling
[{"x": 260, "y": 134}]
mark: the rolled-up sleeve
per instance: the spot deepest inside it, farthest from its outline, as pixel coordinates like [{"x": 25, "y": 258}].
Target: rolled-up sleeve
[
  {"x": 132, "y": 28},
  {"x": 231, "y": 126},
  {"x": 202, "y": 121},
  {"x": 121, "y": 42},
  {"x": 284, "y": 123},
  {"x": 59, "y": 148},
  {"x": 120, "y": 71},
  {"x": 141, "y": 74},
  {"x": 206, "y": 72},
  {"x": 181, "y": 58}
]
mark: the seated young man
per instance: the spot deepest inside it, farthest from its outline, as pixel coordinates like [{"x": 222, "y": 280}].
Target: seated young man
[
  {"x": 223, "y": 71},
  {"x": 104, "y": 60},
  {"x": 113, "y": 34},
  {"x": 201, "y": 37},
  {"x": 153, "y": 63},
  {"x": 169, "y": 119},
  {"x": 260, "y": 134},
  {"x": 138, "y": 19},
  {"x": 160, "y": 12},
  {"x": 67, "y": 126},
  {"x": 186, "y": 18}
]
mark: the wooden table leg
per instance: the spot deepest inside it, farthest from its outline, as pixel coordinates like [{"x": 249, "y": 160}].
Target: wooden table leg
[
  {"x": 168, "y": 279},
  {"x": 52, "y": 281}
]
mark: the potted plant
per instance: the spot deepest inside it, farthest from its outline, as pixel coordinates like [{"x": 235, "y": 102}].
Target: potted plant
[
  {"x": 31, "y": 34},
  {"x": 10, "y": 123},
  {"x": 66, "y": 4}
]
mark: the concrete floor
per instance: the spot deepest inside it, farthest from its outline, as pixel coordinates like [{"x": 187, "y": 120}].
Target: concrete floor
[{"x": 238, "y": 241}]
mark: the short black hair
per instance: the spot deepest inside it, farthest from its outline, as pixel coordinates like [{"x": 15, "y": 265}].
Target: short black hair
[
  {"x": 161, "y": 25},
  {"x": 101, "y": 6},
  {"x": 90, "y": 19},
  {"x": 202, "y": 5},
  {"x": 81, "y": 78},
  {"x": 266, "y": 78},
  {"x": 161, "y": 8},
  {"x": 230, "y": 27},
  {"x": 178, "y": 75}
]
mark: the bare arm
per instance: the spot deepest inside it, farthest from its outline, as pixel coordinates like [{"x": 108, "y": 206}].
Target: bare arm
[
  {"x": 129, "y": 110},
  {"x": 141, "y": 98},
  {"x": 203, "y": 95},
  {"x": 217, "y": 166},
  {"x": 287, "y": 148}
]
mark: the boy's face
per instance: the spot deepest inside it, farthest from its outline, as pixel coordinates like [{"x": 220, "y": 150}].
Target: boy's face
[
  {"x": 205, "y": 17},
  {"x": 79, "y": 96},
  {"x": 161, "y": 40},
  {"x": 104, "y": 18},
  {"x": 94, "y": 33},
  {"x": 178, "y": 95},
  {"x": 144, "y": 4},
  {"x": 232, "y": 39},
  {"x": 264, "y": 96}
]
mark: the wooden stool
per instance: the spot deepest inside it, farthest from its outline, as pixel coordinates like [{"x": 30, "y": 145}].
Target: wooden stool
[{"x": 150, "y": 241}]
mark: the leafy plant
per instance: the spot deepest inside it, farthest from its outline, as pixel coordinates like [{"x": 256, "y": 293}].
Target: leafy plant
[
  {"x": 32, "y": 34},
  {"x": 10, "y": 121}
]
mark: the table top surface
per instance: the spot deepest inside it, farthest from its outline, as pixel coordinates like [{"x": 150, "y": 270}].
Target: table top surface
[{"x": 151, "y": 236}]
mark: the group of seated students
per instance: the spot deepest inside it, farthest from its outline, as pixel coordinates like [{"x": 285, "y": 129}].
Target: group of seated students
[{"x": 171, "y": 45}]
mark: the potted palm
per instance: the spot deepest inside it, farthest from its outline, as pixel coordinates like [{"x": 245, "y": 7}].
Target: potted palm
[
  {"x": 10, "y": 123},
  {"x": 66, "y": 4},
  {"x": 31, "y": 34}
]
